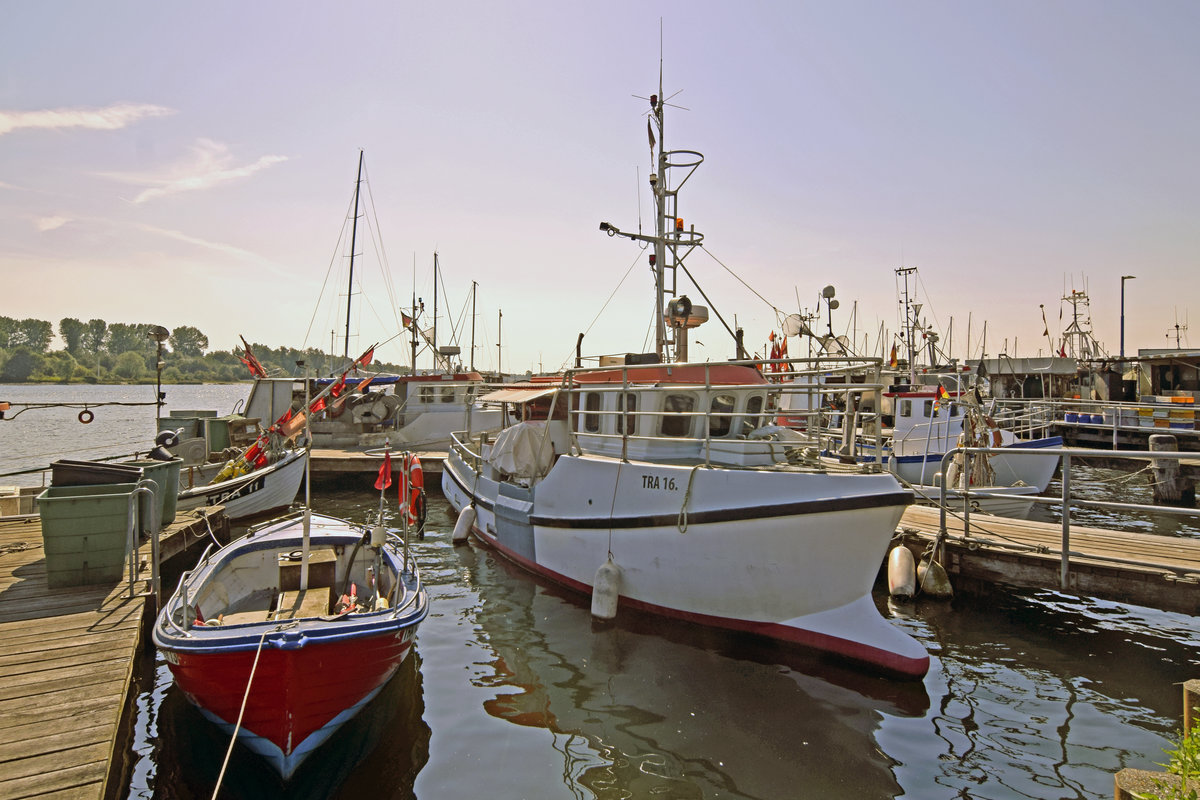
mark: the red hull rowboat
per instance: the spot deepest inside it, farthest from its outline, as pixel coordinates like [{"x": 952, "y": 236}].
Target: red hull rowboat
[{"x": 240, "y": 630}]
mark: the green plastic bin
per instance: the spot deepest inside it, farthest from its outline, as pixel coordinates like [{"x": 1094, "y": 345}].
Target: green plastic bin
[
  {"x": 165, "y": 475},
  {"x": 85, "y": 533}
]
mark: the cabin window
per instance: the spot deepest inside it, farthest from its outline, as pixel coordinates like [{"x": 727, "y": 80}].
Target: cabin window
[
  {"x": 753, "y": 409},
  {"x": 591, "y": 416},
  {"x": 720, "y": 418},
  {"x": 426, "y": 394},
  {"x": 953, "y": 410},
  {"x": 927, "y": 410},
  {"x": 676, "y": 419},
  {"x": 906, "y": 408},
  {"x": 447, "y": 394},
  {"x": 626, "y": 419}
]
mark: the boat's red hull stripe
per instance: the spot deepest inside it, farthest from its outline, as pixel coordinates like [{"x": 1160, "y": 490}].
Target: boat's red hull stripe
[{"x": 295, "y": 691}]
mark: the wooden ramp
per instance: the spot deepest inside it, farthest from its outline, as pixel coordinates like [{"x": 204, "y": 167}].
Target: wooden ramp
[
  {"x": 1155, "y": 571},
  {"x": 69, "y": 664}
]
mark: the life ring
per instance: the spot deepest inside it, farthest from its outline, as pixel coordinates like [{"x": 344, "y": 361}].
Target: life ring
[{"x": 86, "y": 416}]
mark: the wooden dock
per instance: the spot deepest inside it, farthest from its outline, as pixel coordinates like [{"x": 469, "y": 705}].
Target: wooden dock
[
  {"x": 333, "y": 463},
  {"x": 1156, "y": 571},
  {"x": 70, "y": 664}
]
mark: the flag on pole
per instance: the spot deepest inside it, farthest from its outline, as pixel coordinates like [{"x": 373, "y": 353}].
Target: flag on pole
[
  {"x": 256, "y": 367},
  {"x": 941, "y": 395},
  {"x": 892, "y": 362},
  {"x": 385, "y": 473}
]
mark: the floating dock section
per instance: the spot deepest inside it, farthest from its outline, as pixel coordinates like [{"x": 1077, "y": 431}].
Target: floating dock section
[{"x": 1145, "y": 569}]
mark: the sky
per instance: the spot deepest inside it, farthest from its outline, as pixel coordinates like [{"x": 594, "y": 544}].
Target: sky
[{"x": 195, "y": 164}]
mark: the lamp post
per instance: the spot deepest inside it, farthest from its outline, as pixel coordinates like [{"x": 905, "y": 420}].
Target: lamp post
[{"x": 1123, "y": 279}]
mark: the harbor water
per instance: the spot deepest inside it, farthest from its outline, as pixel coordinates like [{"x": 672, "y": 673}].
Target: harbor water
[{"x": 513, "y": 692}]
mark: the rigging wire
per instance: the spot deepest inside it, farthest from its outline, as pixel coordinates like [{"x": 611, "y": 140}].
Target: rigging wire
[{"x": 587, "y": 330}]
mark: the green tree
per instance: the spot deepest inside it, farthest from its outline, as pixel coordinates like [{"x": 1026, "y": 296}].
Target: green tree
[
  {"x": 123, "y": 338},
  {"x": 22, "y": 363},
  {"x": 58, "y": 365},
  {"x": 8, "y": 326},
  {"x": 93, "y": 338},
  {"x": 34, "y": 334},
  {"x": 72, "y": 332},
  {"x": 188, "y": 341},
  {"x": 129, "y": 365}
]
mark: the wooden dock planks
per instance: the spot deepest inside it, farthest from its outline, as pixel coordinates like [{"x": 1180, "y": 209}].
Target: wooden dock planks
[
  {"x": 68, "y": 663},
  {"x": 1155, "y": 571}
]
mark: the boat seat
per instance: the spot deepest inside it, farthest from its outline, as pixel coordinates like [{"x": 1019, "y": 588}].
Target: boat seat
[{"x": 313, "y": 602}]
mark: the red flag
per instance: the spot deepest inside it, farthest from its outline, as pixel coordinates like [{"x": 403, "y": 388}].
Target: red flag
[
  {"x": 406, "y": 319},
  {"x": 363, "y": 385},
  {"x": 892, "y": 358},
  {"x": 366, "y": 357},
  {"x": 317, "y": 405},
  {"x": 255, "y": 366},
  {"x": 385, "y": 473}
]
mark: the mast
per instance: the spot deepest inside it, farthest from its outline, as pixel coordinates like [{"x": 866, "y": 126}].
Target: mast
[
  {"x": 435, "y": 342},
  {"x": 353, "y": 236},
  {"x": 474, "y": 286},
  {"x": 673, "y": 315}
]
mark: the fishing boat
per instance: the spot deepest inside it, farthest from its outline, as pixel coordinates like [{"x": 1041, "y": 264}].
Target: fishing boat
[
  {"x": 264, "y": 490},
  {"x": 665, "y": 487},
  {"x": 928, "y": 423},
  {"x": 283, "y": 635}
]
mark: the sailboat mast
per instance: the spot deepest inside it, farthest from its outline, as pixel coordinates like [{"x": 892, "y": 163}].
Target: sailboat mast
[
  {"x": 353, "y": 236},
  {"x": 435, "y": 342},
  {"x": 658, "y": 182},
  {"x": 474, "y": 287}
]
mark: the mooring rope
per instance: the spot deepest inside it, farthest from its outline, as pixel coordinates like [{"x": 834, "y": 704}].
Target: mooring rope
[
  {"x": 682, "y": 522},
  {"x": 245, "y": 697}
]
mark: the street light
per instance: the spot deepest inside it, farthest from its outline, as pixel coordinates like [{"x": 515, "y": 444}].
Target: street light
[{"x": 1123, "y": 279}]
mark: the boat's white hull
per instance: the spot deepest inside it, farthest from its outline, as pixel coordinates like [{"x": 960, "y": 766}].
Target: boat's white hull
[
  {"x": 1003, "y": 501},
  {"x": 1010, "y": 468},
  {"x": 260, "y": 492},
  {"x": 780, "y": 553}
]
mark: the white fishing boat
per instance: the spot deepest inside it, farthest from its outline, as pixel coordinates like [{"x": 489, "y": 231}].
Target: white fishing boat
[
  {"x": 262, "y": 491},
  {"x": 664, "y": 486}
]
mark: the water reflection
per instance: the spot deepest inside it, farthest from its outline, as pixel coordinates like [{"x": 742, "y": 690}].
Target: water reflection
[
  {"x": 642, "y": 714},
  {"x": 385, "y": 745}
]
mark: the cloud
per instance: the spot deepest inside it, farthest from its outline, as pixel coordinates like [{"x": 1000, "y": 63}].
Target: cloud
[
  {"x": 109, "y": 118},
  {"x": 44, "y": 224},
  {"x": 227, "y": 249},
  {"x": 209, "y": 164}
]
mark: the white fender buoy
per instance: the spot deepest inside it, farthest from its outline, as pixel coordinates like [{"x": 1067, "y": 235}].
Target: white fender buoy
[
  {"x": 462, "y": 527},
  {"x": 606, "y": 590},
  {"x": 933, "y": 580},
  {"x": 902, "y": 573}
]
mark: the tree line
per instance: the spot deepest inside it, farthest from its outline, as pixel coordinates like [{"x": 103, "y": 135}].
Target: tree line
[{"x": 100, "y": 352}]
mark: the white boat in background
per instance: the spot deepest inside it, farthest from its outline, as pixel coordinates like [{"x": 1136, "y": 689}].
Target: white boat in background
[
  {"x": 253, "y": 494},
  {"x": 670, "y": 487},
  {"x": 925, "y": 430}
]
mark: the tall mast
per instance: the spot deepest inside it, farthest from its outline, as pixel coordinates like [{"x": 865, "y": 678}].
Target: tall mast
[
  {"x": 435, "y": 343},
  {"x": 673, "y": 316},
  {"x": 474, "y": 286},
  {"x": 353, "y": 235}
]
